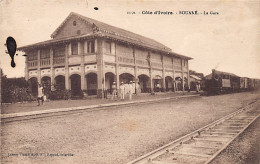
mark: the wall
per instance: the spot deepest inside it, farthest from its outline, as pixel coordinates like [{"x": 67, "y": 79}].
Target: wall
[{"x": 68, "y": 29}]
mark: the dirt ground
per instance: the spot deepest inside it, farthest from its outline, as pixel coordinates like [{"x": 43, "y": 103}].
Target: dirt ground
[{"x": 113, "y": 135}]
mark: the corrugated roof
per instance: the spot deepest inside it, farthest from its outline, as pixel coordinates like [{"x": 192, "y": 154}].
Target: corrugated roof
[
  {"x": 105, "y": 30},
  {"x": 224, "y": 73},
  {"x": 116, "y": 32},
  {"x": 195, "y": 77}
]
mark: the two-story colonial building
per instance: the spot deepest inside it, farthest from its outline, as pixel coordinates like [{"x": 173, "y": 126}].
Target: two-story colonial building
[{"x": 85, "y": 54}]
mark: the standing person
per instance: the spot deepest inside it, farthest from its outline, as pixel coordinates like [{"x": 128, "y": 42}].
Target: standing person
[
  {"x": 122, "y": 91},
  {"x": 40, "y": 94},
  {"x": 199, "y": 85},
  {"x": 130, "y": 90},
  {"x": 133, "y": 87},
  {"x": 114, "y": 91}
]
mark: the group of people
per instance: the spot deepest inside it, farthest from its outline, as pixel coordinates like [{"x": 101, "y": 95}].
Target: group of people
[{"x": 124, "y": 89}]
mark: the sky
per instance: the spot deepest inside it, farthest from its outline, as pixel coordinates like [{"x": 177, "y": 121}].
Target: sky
[{"x": 229, "y": 41}]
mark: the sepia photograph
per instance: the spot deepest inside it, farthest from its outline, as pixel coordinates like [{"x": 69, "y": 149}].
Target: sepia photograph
[{"x": 130, "y": 82}]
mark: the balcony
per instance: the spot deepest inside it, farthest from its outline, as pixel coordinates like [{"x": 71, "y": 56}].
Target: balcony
[
  {"x": 177, "y": 67},
  {"x": 45, "y": 62},
  {"x": 157, "y": 65},
  {"x": 32, "y": 64},
  {"x": 168, "y": 66},
  {"x": 59, "y": 60},
  {"x": 125, "y": 60}
]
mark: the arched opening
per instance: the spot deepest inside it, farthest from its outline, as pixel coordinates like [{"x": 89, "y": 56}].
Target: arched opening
[
  {"x": 33, "y": 84},
  {"x": 144, "y": 85},
  {"x": 46, "y": 84},
  {"x": 178, "y": 81},
  {"x": 193, "y": 85},
  {"x": 126, "y": 78},
  {"x": 91, "y": 83},
  {"x": 60, "y": 82},
  {"x": 109, "y": 79},
  {"x": 75, "y": 83},
  {"x": 168, "y": 83},
  {"x": 157, "y": 83}
]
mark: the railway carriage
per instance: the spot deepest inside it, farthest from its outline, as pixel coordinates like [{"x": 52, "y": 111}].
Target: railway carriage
[
  {"x": 244, "y": 83},
  {"x": 222, "y": 82}
]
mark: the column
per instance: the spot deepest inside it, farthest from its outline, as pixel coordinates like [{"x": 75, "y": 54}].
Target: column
[
  {"x": 135, "y": 70},
  {"x": 182, "y": 75},
  {"x": 188, "y": 78},
  {"x": 96, "y": 45},
  {"x": 52, "y": 70},
  {"x": 26, "y": 71},
  {"x": 85, "y": 48},
  {"x": 67, "y": 53},
  {"x": 173, "y": 76},
  {"x": 113, "y": 49},
  {"x": 82, "y": 65},
  {"x": 151, "y": 80},
  {"x": 39, "y": 66},
  {"x": 100, "y": 75},
  {"x": 163, "y": 76},
  {"x": 150, "y": 73}
]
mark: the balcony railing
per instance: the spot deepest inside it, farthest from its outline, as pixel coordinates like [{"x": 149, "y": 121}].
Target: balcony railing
[
  {"x": 177, "y": 67},
  {"x": 59, "y": 60},
  {"x": 169, "y": 66},
  {"x": 32, "y": 64},
  {"x": 45, "y": 62},
  {"x": 157, "y": 65},
  {"x": 125, "y": 60}
]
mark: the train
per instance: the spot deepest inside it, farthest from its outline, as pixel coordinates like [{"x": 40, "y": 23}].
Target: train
[{"x": 219, "y": 82}]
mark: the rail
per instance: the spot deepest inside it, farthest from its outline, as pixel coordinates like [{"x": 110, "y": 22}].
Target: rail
[{"x": 170, "y": 149}]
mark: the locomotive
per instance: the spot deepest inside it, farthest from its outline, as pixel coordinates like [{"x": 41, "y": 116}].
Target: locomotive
[{"x": 222, "y": 82}]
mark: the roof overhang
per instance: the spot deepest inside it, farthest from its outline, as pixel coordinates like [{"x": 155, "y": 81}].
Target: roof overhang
[
  {"x": 52, "y": 42},
  {"x": 55, "y": 42}
]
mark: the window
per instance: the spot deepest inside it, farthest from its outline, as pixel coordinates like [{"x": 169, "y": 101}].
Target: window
[
  {"x": 225, "y": 76},
  {"x": 45, "y": 53},
  {"x": 32, "y": 55},
  {"x": 74, "y": 23},
  {"x": 91, "y": 46},
  {"x": 74, "y": 49},
  {"x": 78, "y": 32},
  {"x": 59, "y": 51},
  {"x": 108, "y": 47}
]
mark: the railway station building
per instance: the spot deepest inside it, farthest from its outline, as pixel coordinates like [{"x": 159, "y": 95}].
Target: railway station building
[{"x": 88, "y": 55}]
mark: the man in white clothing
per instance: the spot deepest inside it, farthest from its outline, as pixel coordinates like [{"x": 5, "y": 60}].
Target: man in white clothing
[
  {"x": 40, "y": 94},
  {"x": 122, "y": 91},
  {"x": 130, "y": 85}
]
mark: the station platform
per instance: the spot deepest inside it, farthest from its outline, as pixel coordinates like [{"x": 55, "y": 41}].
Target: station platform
[{"x": 31, "y": 108}]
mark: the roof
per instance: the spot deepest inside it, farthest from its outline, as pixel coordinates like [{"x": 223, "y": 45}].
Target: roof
[
  {"x": 209, "y": 76},
  {"x": 220, "y": 72},
  {"x": 110, "y": 32},
  {"x": 195, "y": 77},
  {"x": 57, "y": 41},
  {"x": 223, "y": 73}
]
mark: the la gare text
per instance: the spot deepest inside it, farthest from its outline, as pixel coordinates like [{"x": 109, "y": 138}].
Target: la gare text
[{"x": 195, "y": 12}]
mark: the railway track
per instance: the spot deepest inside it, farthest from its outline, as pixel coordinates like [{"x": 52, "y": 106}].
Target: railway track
[{"x": 204, "y": 144}]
